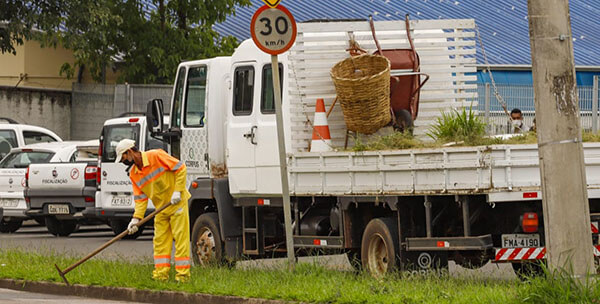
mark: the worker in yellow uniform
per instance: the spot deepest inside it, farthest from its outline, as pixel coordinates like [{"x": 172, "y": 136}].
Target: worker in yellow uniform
[{"x": 160, "y": 177}]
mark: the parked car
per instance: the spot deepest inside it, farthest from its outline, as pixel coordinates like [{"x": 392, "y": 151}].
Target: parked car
[
  {"x": 12, "y": 178},
  {"x": 14, "y": 135},
  {"x": 60, "y": 192}
]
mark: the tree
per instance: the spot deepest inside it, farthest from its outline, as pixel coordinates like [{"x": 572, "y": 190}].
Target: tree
[
  {"x": 19, "y": 20},
  {"x": 145, "y": 43}
]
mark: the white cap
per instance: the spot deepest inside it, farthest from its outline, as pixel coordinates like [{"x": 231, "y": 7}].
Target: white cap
[{"x": 122, "y": 147}]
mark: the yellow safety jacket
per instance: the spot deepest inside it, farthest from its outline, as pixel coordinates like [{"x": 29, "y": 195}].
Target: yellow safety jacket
[{"x": 160, "y": 176}]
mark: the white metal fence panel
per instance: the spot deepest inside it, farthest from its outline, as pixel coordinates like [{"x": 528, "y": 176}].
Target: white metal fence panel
[{"x": 446, "y": 49}]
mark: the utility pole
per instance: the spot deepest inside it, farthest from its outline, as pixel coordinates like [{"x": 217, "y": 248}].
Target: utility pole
[{"x": 562, "y": 169}]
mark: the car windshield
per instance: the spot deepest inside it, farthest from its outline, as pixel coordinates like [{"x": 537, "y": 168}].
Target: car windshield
[
  {"x": 8, "y": 140},
  {"x": 22, "y": 159},
  {"x": 113, "y": 135}
]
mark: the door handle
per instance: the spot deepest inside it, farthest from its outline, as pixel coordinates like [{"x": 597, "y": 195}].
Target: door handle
[{"x": 251, "y": 134}]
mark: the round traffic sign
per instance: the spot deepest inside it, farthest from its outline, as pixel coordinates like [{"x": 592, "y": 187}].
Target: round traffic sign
[{"x": 273, "y": 29}]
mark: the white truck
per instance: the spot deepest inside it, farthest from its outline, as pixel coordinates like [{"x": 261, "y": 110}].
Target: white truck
[
  {"x": 60, "y": 192},
  {"x": 387, "y": 209},
  {"x": 13, "y": 170},
  {"x": 114, "y": 199}
]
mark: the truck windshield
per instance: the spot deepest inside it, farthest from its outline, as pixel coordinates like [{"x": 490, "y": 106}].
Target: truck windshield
[
  {"x": 23, "y": 159},
  {"x": 8, "y": 140},
  {"x": 114, "y": 134}
]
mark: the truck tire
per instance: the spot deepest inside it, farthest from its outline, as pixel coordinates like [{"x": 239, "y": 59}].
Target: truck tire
[
  {"x": 379, "y": 246},
  {"x": 472, "y": 259},
  {"x": 9, "y": 226},
  {"x": 119, "y": 226},
  {"x": 60, "y": 227},
  {"x": 527, "y": 270},
  {"x": 207, "y": 246}
]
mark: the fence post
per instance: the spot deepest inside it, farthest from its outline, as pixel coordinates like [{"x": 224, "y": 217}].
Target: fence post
[
  {"x": 595, "y": 105},
  {"x": 487, "y": 106}
]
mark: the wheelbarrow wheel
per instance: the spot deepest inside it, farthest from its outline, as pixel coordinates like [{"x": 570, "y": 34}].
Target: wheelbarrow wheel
[{"x": 404, "y": 122}]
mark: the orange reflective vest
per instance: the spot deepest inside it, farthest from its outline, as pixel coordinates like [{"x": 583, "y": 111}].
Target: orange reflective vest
[{"x": 160, "y": 176}]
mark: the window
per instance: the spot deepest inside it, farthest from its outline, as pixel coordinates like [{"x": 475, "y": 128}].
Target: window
[
  {"x": 267, "y": 100},
  {"x": 178, "y": 98},
  {"x": 243, "y": 90},
  {"x": 32, "y": 137},
  {"x": 154, "y": 143},
  {"x": 113, "y": 135},
  {"x": 23, "y": 159},
  {"x": 195, "y": 97},
  {"x": 8, "y": 140}
]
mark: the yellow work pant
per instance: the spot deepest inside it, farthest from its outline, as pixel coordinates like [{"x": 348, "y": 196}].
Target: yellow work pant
[{"x": 172, "y": 224}]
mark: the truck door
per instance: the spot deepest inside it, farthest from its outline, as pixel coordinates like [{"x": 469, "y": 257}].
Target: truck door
[
  {"x": 188, "y": 115},
  {"x": 242, "y": 130},
  {"x": 267, "y": 150}
]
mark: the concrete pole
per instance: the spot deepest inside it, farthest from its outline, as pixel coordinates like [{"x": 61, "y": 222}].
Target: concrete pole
[
  {"x": 285, "y": 188},
  {"x": 562, "y": 170}
]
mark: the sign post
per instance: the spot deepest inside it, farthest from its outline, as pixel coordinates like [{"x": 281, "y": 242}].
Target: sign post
[{"x": 273, "y": 30}]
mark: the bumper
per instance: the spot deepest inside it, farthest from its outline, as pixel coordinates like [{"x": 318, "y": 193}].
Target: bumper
[
  {"x": 526, "y": 254},
  {"x": 116, "y": 213},
  {"x": 14, "y": 213}
]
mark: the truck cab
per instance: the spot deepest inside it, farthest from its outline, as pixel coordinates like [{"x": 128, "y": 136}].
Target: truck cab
[{"x": 114, "y": 198}]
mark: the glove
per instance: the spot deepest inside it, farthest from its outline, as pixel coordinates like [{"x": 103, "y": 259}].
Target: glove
[
  {"x": 176, "y": 198},
  {"x": 132, "y": 228}
]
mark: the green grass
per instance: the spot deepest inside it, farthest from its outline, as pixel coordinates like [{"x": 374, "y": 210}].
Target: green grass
[
  {"x": 458, "y": 126},
  {"x": 308, "y": 283}
]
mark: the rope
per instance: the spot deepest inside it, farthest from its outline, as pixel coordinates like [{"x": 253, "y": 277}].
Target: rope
[{"x": 488, "y": 68}]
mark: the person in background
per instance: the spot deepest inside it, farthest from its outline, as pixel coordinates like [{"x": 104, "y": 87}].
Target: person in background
[{"x": 517, "y": 121}]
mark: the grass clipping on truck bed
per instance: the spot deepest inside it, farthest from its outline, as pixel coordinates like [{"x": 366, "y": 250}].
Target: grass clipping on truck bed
[
  {"x": 455, "y": 128},
  {"x": 307, "y": 283}
]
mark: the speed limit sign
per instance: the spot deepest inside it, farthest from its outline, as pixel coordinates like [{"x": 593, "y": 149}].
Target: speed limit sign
[{"x": 273, "y": 29}]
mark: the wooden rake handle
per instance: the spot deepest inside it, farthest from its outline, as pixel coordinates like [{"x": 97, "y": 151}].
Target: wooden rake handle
[{"x": 62, "y": 273}]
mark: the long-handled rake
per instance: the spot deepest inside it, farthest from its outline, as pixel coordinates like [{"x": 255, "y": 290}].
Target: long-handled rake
[{"x": 99, "y": 249}]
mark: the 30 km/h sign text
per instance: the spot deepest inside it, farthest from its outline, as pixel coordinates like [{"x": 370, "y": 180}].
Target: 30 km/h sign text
[{"x": 273, "y": 29}]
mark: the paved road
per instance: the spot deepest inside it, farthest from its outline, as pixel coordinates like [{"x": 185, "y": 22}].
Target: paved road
[
  {"x": 86, "y": 239},
  {"x": 90, "y": 237},
  {"x": 8, "y": 296}
]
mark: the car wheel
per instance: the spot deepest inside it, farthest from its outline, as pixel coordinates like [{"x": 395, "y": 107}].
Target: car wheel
[
  {"x": 9, "y": 226},
  {"x": 207, "y": 246},
  {"x": 119, "y": 226},
  {"x": 60, "y": 227}
]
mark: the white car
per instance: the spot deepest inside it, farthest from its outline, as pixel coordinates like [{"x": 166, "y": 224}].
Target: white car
[
  {"x": 12, "y": 177},
  {"x": 14, "y": 135}
]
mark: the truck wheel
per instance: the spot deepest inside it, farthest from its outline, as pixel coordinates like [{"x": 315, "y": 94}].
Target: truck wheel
[
  {"x": 9, "y": 226},
  {"x": 119, "y": 226},
  {"x": 526, "y": 270},
  {"x": 379, "y": 246},
  {"x": 471, "y": 259},
  {"x": 60, "y": 228},
  {"x": 207, "y": 246}
]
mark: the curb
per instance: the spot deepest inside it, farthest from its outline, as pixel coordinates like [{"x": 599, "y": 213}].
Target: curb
[{"x": 127, "y": 294}]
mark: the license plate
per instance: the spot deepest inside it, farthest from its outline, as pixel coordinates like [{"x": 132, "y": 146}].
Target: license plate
[
  {"x": 9, "y": 202},
  {"x": 121, "y": 201},
  {"x": 58, "y": 209},
  {"x": 520, "y": 240}
]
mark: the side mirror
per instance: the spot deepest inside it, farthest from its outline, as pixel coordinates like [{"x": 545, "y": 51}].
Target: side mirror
[{"x": 154, "y": 116}]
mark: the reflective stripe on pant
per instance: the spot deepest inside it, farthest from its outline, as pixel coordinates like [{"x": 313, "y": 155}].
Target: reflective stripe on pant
[{"x": 173, "y": 225}]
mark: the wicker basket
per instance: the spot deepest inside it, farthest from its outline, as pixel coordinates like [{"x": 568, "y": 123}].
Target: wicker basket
[{"x": 362, "y": 84}]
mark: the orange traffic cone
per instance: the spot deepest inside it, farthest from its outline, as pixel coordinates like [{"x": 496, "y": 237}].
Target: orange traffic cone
[{"x": 321, "y": 139}]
